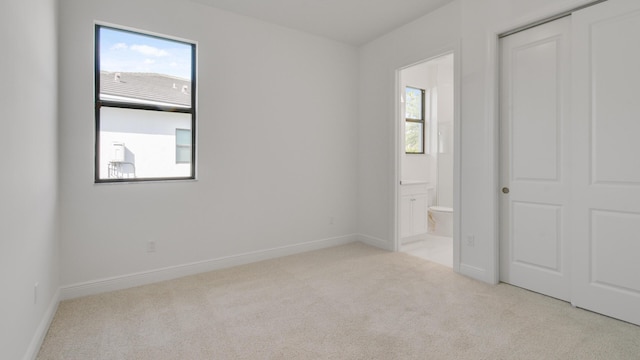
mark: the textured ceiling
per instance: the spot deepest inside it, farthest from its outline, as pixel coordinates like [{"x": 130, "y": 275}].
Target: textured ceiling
[{"x": 354, "y": 22}]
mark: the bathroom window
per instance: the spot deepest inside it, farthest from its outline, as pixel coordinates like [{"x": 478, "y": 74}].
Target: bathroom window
[
  {"x": 414, "y": 120},
  {"x": 145, "y": 116}
]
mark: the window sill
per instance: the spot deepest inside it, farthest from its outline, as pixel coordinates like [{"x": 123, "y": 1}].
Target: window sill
[{"x": 163, "y": 181}]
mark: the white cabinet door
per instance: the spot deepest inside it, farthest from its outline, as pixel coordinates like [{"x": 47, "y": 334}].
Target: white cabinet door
[
  {"x": 606, "y": 133},
  {"x": 413, "y": 211},
  {"x": 406, "y": 216},
  {"x": 534, "y": 120},
  {"x": 419, "y": 214}
]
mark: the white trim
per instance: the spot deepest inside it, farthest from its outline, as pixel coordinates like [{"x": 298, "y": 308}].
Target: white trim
[
  {"x": 143, "y": 101},
  {"x": 173, "y": 272},
  {"x": 396, "y": 176},
  {"x": 457, "y": 154},
  {"x": 43, "y": 327},
  {"x": 473, "y": 272},
  {"x": 144, "y": 32},
  {"x": 413, "y": 238},
  {"x": 492, "y": 135},
  {"x": 376, "y": 242}
]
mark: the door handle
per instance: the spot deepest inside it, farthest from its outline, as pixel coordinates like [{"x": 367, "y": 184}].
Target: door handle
[{"x": 505, "y": 190}]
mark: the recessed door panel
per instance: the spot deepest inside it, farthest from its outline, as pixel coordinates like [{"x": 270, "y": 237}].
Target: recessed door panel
[
  {"x": 535, "y": 83},
  {"x": 615, "y": 70},
  {"x": 537, "y": 243},
  {"x": 615, "y": 247}
]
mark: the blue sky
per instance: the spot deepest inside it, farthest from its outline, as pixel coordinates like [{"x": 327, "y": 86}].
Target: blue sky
[{"x": 129, "y": 52}]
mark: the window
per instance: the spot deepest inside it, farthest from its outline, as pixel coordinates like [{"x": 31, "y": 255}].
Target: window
[
  {"x": 414, "y": 120},
  {"x": 183, "y": 146},
  {"x": 145, "y": 118}
]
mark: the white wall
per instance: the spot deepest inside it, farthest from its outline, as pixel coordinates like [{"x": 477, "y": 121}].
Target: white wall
[
  {"x": 474, "y": 24},
  {"x": 426, "y": 37},
  {"x": 445, "y": 129},
  {"x": 275, "y": 188},
  {"x": 28, "y": 186},
  {"x": 271, "y": 175}
]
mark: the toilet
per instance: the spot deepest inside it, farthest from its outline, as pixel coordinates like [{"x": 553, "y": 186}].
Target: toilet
[{"x": 441, "y": 221}]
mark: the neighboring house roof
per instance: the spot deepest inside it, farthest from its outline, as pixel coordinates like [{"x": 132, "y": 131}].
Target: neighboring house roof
[{"x": 145, "y": 87}]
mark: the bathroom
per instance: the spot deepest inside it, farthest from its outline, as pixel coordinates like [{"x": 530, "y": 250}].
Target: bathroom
[{"x": 426, "y": 193}]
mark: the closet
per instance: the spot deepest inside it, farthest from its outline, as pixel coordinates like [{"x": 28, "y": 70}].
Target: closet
[{"x": 569, "y": 158}]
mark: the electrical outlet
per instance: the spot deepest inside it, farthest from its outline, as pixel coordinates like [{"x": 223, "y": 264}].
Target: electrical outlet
[
  {"x": 35, "y": 293},
  {"x": 151, "y": 246},
  {"x": 471, "y": 240}
]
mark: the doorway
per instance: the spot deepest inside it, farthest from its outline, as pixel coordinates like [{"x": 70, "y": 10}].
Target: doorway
[{"x": 427, "y": 156}]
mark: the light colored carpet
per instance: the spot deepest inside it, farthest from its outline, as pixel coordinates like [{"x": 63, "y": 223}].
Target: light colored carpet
[{"x": 347, "y": 302}]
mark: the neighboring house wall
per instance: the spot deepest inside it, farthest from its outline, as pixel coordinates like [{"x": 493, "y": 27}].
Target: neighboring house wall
[
  {"x": 29, "y": 180},
  {"x": 149, "y": 139},
  {"x": 277, "y": 150}
]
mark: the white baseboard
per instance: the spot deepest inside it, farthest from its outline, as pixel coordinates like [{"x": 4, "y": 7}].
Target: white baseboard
[
  {"x": 414, "y": 238},
  {"x": 376, "y": 242},
  {"x": 43, "y": 327},
  {"x": 173, "y": 272},
  {"x": 473, "y": 272}
]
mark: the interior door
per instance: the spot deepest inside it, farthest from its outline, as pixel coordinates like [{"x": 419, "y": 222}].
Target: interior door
[
  {"x": 535, "y": 88},
  {"x": 606, "y": 148}
]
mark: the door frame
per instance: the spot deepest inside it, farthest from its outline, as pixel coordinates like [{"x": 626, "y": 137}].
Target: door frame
[
  {"x": 453, "y": 49},
  {"x": 492, "y": 92}
]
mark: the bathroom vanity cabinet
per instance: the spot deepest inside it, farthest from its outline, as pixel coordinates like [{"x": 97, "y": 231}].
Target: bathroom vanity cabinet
[{"x": 413, "y": 211}]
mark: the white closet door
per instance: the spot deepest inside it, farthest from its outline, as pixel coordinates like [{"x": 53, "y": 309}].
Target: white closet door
[
  {"x": 534, "y": 120},
  {"x": 606, "y": 149}
]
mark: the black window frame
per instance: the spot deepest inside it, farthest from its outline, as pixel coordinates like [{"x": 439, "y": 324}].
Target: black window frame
[
  {"x": 419, "y": 121},
  {"x": 99, "y": 104}
]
